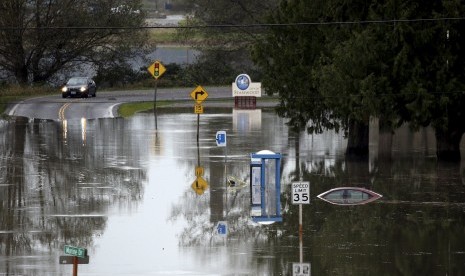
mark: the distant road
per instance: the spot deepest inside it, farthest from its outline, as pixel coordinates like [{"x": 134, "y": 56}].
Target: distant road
[{"x": 106, "y": 103}]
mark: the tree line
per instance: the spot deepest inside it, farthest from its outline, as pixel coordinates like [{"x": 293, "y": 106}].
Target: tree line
[
  {"x": 40, "y": 39},
  {"x": 334, "y": 64},
  {"x": 399, "y": 61}
]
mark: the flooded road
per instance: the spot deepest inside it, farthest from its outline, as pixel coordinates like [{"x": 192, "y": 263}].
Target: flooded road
[{"x": 125, "y": 192}]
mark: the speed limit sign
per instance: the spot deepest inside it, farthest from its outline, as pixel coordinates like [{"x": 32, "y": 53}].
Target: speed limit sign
[{"x": 301, "y": 193}]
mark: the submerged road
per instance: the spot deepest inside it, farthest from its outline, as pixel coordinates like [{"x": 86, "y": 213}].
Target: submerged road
[{"x": 106, "y": 103}]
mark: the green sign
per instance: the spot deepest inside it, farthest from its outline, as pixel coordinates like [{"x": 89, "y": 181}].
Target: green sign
[{"x": 75, "y": 251}]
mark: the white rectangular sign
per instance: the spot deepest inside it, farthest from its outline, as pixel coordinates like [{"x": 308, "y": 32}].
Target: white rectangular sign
[
  {"x": 301, "y": 192},
  {"x": 254, "y": 90}
]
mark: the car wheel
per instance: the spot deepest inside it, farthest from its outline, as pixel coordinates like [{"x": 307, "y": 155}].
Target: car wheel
[{"x": 64, "y": 95}]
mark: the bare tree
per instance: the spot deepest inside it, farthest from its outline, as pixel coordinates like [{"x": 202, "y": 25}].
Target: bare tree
[{"x": 38, "y": 38}]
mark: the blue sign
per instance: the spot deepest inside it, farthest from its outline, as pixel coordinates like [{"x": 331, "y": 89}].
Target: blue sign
[
  {"x": 243, "y": 81},
  {"x": 222, "y": 228},
  {"x": 221, "y": 138}
]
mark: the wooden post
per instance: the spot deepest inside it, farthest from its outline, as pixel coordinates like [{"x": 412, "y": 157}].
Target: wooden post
[{"x": 75, "y": 266}]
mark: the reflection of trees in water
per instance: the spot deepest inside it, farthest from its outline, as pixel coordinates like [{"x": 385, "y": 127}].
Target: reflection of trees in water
[
  {"x": 203, "y": 212},
  {"x": 417, "y": 226},
  {"x": 56, "y": 188}
]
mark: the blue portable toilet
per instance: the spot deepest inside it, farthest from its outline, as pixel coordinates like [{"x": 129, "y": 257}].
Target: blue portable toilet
[{"x": 265, "y": 187}]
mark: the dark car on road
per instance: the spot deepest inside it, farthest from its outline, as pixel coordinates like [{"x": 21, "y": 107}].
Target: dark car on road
[{"x": 79, "y": 87}]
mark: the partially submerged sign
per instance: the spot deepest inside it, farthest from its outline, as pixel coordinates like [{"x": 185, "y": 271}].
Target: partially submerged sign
[
  {"x": 75, "y": 251},
  {"x": 349, "y": 196},
  {"x": 70, "y": 260},
  {"x": 221, "y": 138}
]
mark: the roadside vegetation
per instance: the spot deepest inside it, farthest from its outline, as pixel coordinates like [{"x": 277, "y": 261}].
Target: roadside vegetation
[
  {"x": 332, "y": 69},
  {"x": 14, "y": 93},
  {"x": 129, "y": 109}
]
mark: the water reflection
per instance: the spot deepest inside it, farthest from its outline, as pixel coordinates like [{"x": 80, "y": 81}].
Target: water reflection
[
  {"x": 122, "y": 189},
  {"x": 57, "y": 190}
]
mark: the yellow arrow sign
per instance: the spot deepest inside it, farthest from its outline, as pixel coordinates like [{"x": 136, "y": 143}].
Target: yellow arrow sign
[
  {"x": 156, "y": 69},
  {"x": 199, "y": 94},
  {"x": 199, "y": 185}
]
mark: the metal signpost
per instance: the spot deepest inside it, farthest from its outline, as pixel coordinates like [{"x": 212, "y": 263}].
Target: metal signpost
[
  {"x": 301, "y": 195},
  {"x": 156, "y": 70},
  {"x": 199, "y": 95},
  {"x": 77, "y": 256}
]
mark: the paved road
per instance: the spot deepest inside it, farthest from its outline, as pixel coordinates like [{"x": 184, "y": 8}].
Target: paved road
[{"x": 105, "y": 104}]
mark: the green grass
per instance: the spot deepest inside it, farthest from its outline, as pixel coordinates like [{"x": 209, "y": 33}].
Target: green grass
[
  {"x": 129, "y": 109},
  {"x": 172, "y": 36},
  {"x": 15, "y": 93}
]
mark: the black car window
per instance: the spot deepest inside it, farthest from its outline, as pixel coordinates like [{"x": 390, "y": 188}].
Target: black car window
[{"x": 77, "y": 81}]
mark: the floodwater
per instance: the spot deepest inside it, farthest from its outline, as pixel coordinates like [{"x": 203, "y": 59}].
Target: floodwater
[{"x": 129, "y": 194}]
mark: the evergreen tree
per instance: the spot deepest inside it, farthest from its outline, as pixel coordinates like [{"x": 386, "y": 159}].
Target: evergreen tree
[{"x": 398, "y": 61}]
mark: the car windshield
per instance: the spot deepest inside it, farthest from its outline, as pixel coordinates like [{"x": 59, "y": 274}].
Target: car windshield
[{"x": 77, "y": 81}]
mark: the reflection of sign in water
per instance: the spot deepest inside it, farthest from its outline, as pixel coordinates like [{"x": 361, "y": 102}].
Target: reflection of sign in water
[
  {"x": 301, "y": 269},
  {"x": 246, "y": 120},
  {"x": 199, "y": 185},
  {"x": 222, "y": 228},
  {"x": 349, "y": 196},
  {"x": 199, "y": 171},
  {"x": 300, "y": 192}
]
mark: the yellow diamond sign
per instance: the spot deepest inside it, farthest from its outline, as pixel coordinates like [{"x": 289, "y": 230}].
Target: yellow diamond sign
[
  {"x": 199, "y": 185},
  {"x": 199, "y": 94},
  {"x": 156, "y": 69}
]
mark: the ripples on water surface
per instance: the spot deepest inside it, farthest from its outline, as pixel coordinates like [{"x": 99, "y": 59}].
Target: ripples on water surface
[{"x": 122, "y": 189}]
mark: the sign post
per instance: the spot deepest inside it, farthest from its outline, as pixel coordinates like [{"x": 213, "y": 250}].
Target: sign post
[
  {"x": 78, "y": 256},
  {"x": 156, "y": 70},
  {"x": 300, "y": 195},
  {"x": 198, "y": 95}
]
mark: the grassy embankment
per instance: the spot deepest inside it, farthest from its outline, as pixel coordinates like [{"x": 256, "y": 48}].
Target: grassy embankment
[{"x": 15, "y": 93}]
